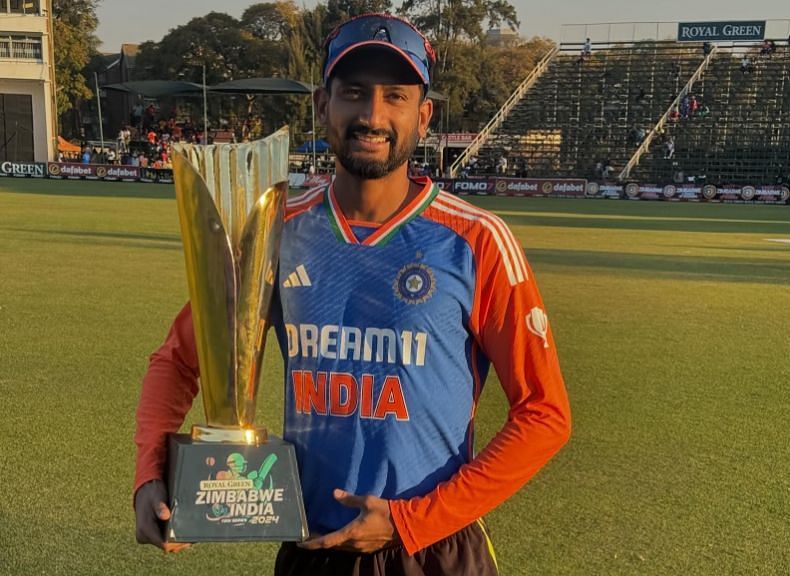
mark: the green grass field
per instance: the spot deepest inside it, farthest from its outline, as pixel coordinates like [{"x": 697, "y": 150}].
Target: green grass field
[{"x": 672, "y": 322}]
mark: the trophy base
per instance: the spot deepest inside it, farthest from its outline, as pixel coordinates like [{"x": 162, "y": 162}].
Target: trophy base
[{"x": 229, "y": 491}]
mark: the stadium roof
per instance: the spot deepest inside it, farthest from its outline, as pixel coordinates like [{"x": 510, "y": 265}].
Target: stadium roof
[
  {"x": 156, "y": 88},
  {"x": 263, "y": 86},
  {"x": 161, "y": 88}
]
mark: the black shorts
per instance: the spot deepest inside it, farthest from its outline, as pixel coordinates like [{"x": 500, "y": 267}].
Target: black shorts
[{"x": 468, "y": 552}]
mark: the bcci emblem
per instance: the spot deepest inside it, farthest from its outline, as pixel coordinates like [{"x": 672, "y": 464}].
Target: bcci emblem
[{"x": 414, "y": 284}]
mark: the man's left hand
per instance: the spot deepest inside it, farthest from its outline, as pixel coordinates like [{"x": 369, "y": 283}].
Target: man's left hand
[{"x": 368, "y": 532}]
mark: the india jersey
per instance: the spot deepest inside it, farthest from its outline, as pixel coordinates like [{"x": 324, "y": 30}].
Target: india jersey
[
  {"x": 387, "y": 335},
  {"x": 382, "y": 367}
]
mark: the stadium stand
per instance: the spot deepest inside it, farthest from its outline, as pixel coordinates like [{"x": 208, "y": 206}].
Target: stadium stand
[
  {"x": 745, "y": 137},
  {"x": 589, "y": 116}
]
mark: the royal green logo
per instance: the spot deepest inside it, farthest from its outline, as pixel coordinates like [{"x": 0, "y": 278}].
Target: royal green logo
[{"x": 237, "y": 495}]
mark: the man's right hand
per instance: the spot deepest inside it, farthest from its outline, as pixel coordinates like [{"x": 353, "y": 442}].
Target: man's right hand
[{"x": 152, "y": 512}]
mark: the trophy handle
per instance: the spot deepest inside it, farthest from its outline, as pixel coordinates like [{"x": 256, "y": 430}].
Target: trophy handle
[
  {"x": 259, "y": 249},
  {"x": 212, "y": 289}
]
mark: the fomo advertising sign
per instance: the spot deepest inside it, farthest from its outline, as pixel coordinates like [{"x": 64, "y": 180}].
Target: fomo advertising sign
[{"x": 721, "y": 31}]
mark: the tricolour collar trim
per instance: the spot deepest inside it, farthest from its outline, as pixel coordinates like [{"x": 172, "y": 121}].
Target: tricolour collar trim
[{"x": 386, "y": 231}]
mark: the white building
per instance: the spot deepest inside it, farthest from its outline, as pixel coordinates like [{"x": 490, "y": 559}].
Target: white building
[
  {"x": 27, "y": 87},
  {"x": 502, "y": 37}
]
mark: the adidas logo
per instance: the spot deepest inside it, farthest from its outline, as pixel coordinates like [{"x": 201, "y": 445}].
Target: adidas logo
[{"x": 298, "y": 278}]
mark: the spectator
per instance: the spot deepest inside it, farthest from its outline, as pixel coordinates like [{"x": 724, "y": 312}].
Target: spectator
[
  {"x": 586, "y": 51},
  {"x": 636, "y": 135},
  {"x": 111, "y": 156},
  {"x": 501, "y": 165},
  {"x": 188, "y": 130},
  {"x": 606, "y": 173},
  {"x": 693, "y": 105},
  {"x": 175, "y": 133},
  {"x": 746, "y": 65},
  {"x": 149, "y": 117},
  {"x": 669, "y": 147},
  {"x": 685, "y": 106},
  {"x": 707, "y": 48},
  {"x": 768, "y": 48}
]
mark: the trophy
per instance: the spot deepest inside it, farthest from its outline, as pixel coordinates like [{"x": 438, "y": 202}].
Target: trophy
[{"x": 229, "y": 480}]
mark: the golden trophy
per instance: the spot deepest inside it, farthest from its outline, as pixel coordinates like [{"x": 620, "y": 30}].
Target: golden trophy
[{"x": 229, "y": 480}]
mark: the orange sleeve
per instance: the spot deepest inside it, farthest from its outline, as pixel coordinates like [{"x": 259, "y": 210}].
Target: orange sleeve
[
  {"x": 511, "y": 329},
  {"x": 169, "y": 386}
]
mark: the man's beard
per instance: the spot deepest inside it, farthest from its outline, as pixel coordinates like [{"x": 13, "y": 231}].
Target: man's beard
[{"x": 399, "y": 153}]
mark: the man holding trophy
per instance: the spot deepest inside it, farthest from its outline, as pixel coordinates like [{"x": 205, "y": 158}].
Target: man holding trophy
[{"x": 390, "y": 301}]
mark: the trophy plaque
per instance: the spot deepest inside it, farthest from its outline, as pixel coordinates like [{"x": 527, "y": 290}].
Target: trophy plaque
[{"x": 229, "y": 480}]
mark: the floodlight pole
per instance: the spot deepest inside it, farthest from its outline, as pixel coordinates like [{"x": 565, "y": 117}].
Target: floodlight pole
[
  {"x": 205, "y": 108},
  {"x": 98, "y": 102}
]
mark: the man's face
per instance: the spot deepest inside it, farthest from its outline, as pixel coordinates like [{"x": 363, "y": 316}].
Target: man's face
[{"x": 374, "y": 113}]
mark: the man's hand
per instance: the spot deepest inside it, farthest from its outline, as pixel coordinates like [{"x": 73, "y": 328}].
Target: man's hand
[
  {"x": 152, "y": 512},
  {"x": 368, "y": 532}
]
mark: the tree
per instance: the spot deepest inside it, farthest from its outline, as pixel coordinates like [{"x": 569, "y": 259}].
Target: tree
[
  {"x": 459, "y": 82},
  {"x": 497, "y": 86},
  {"x": 75, "y": 42},
  {"x": 216, "y": 40},
  {"x": 271, "y": 21},
  {"x": 338, "y": 11},
  {"x": 446, "y": 22},
  {"x": 453, "y": 19}
]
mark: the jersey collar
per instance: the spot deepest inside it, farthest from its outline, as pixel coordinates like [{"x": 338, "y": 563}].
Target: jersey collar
[{"x": 386, "y": 231}]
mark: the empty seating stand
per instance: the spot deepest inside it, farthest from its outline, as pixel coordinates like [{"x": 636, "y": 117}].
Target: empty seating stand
[
  {"x": 745, "y": 138},
  {"x": 584, "y": 113}
]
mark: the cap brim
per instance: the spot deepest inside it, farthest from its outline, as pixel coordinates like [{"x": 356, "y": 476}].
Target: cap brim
[{"x": 421, "y": 71}]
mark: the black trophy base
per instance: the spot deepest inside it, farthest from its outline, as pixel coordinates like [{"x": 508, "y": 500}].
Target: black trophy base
[{"x": 230, "y": 492}]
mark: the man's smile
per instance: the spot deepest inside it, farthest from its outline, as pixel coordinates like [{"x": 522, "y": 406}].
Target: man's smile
[{"x": 368, "y": 142}]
